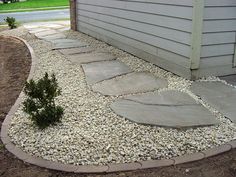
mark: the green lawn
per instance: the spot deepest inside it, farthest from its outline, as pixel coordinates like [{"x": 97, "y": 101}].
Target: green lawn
[{"x": 29, "y": 4}]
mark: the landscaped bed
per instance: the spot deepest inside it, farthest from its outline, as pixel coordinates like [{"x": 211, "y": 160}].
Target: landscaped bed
[{"x": 90, "y": 132}]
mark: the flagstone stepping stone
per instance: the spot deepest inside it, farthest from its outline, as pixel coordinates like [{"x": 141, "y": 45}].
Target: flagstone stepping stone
[
  {"x": 64, "y": 29},
  {"x": 130, "y": 84},
  {"x": 45, "y": 33},
  {"x": 99, "y": 71},
  {"x": 231, "y": 79},
  {"x": 90, "y": 57},
  {"x": 170, "y": 97},
  {"x": 53, "y": 37},
  {"x": 55, "y": 26},
  {"x": 79, "y": 50},
  {"x": 31, "y": 26},
  {"x": 219, "y": 95},
  {"x": 37, "y": 30},
  {"x": 65, "y": 40},
  {"x": 164, "y": 109},
  {"x": 67, "y": 43}
]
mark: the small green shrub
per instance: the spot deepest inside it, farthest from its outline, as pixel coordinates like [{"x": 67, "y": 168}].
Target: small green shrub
[
  {"x": 40, "y": 101},
  {"x": 11, "y": 21}
]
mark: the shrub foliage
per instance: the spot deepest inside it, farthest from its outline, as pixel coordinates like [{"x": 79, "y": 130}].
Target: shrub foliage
[
  {"x": 40, "y": 101},
  {"x": 11, "y": 21}
]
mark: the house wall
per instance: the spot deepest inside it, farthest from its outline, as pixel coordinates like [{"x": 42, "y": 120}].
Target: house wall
[
  {"x": 218, "y": 38},
  {"x": 156, "y": 30},
  {"x": 191, "y": 38}
]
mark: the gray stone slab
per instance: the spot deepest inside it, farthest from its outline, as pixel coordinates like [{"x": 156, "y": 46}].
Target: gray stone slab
[
  {"x": 79, "y": 50},
  {"x": 130, "y": 84},
  {"x": 65, "y": 40},
  {"x": 221, "y": 96},
  {"x": 88, "y": 58},
  {"x": 64, "y": 29},
  {"x": 31, "y": 26},
  {"x": 53, "y": 37},
  {"x": 231, "y": 79},
  {"x": 99, "y": 71},
  {"x": 167, "y": 116},
  {"x": 37, "y": 30},
  {"x": 54, "y": 26},
  {"x": 67, "y": 43},
  {"x": 45, "y": 33},
  {"x": 170, "y": 97}
]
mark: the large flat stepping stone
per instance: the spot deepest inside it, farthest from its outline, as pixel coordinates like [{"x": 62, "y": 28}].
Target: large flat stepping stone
[
  {"x": 231, "y": 79},
  {"x": 79, "y": 50},
  {"x": 130, "y": 84},
  {"x": 54, "y": 26},
  {"x": 64, "y": 29},
  {"x": 67, "y": 43},
  {"x": 219, "y": 95},
  {"x": 171, "y": 97},
  {"x": 65, "y": 40},
  {"x": 45, "y": 33},
  {"x": 37, "y": 30},
  {"x": 53, "y": 37},
  {"x": 88, "y": 58},
  {"x": 31, "y": 26},
  {"x": 99, "y": 71},
  {"x": 168, "y": 109}
]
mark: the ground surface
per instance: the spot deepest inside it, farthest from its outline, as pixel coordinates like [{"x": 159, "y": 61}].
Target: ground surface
[
  {"x": 15, "y": 73},
  {"x": 29, "y": 4},
  {"x": 3, "y": 28}
]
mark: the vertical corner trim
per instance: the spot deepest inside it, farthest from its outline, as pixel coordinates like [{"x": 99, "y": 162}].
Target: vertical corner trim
[
  {"x": 197, "y": 29},
  {"x": 73, "y": 14}
]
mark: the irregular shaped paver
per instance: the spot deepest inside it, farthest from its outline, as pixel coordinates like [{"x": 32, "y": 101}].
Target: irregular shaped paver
[
  {"x": 170, "y": 97},
  {"x": 169, "y": 112},
  {"x": 31, "y": 26},
  {"x": 64, "y": 29},
  {"x": 99, "y": 71},
  {"x": 45, "y": 33},
  {"x": 37, "y": 30},
  {"x": 54, "y": 26},
  {"x": 65, "y": 40},
  {"x": 67, "y": 43},
  {"x": 88, "y": 58},
  {"x": 53, "y": 37},
  {"x": 230, "y": 79},
  {"x": 79, "y": 50},
  {"x": 219, "y": 95},
  {"x": 129, "y": 84}
]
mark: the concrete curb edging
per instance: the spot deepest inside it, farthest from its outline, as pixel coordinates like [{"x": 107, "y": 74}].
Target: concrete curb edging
[{"x": 92, "y": 168}]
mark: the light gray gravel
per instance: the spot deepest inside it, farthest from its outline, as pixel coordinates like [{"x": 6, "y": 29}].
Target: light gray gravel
[{"x": 90, "y": 133}]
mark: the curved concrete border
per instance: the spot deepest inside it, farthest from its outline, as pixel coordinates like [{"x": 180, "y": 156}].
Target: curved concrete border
[{"x": 92, "y": 168}]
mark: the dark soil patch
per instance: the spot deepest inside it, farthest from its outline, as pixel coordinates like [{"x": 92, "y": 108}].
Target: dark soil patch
[{"x": 14, "y": 69}]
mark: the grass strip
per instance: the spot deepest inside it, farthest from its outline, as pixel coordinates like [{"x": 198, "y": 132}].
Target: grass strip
[{"x": 32, "y": 4}]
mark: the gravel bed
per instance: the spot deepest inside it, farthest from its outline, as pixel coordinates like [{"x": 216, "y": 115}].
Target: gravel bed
[{"x": 90, "y": 133}]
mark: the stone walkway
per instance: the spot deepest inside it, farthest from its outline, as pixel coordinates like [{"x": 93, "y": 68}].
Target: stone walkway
[
  {"x": 168, "y": 108},
  {"x": 220, "y": 96},
  {"x": 111, "y": 77}
]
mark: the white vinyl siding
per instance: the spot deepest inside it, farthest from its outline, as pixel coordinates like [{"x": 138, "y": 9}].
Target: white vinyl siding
[
  {"x": 219, "y": 33},
  {"x": 163, "y": 32},
  {"x": 161, "y": 28}
]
